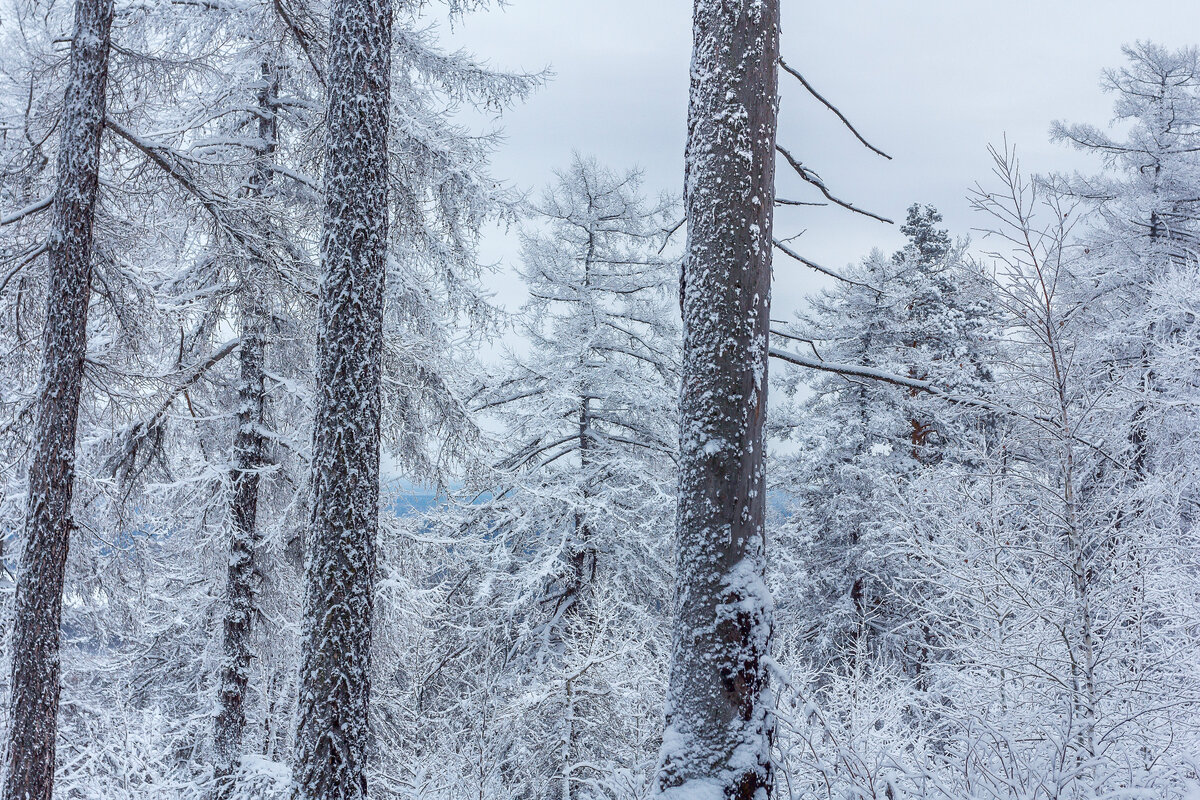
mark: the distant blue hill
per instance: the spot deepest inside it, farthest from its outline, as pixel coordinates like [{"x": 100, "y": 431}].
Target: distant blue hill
[{"x": 416, "y": 503}]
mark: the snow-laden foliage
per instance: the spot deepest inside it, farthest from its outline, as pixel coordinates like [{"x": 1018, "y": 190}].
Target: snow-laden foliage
[
  {"x": 546, "y": 582},
  {"x": 921, "y": 313},
  {"x": 183, "y": 604},
  {"x": 1033, "y": 584},
  {"x": 972, "y": 572}
]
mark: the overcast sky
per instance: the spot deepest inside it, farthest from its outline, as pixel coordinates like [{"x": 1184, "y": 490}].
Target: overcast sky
[{"x": 932, "y": 82}]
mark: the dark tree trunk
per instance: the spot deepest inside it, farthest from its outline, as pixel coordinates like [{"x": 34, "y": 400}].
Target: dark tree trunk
[
  {"x": 583, "y": 559},
  {"x": 249, "y": 457},
  {"x": 719, "y": 708},
  {"x": 332, "y": 735},
  {"x": 240, "y": 610},
  {"x": 33, "y": 718}
]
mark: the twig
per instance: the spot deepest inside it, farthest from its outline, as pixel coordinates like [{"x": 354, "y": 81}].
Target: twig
[
  {"x": 170, "y": 161},
  {"x": 671, "y": 232}
]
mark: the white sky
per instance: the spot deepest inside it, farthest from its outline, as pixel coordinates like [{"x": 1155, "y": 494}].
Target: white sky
[{"x": 932, "y": 82}]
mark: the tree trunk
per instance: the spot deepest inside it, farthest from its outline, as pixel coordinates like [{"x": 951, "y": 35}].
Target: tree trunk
[
  {"x": 249, "y": 457},
  {"x": 719, "y": 707},
  {"x": 35, "y": 640},
  {"x": 583, "y": 559},
  {"x": 332, "y": 734}
]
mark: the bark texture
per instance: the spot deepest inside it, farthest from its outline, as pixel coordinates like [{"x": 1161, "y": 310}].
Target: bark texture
[
  {"x": 249, "y": 457},
  {"x": 332, "y": 735},
  {"x": 719, "y": 719},
  {"x": 33, "y": 711}
]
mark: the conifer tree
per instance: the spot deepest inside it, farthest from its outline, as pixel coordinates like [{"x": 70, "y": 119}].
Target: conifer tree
[{"x": 582, "y": 489}]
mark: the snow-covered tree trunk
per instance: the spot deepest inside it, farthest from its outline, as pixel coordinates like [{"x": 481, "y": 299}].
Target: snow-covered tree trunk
[
  {"x": 332, "y": 734},
  {"x": 33, "y": 710},
  {"x": 248, "y": 452},
  {"x": 583, "y": 559},
  {"x": 719, "y": 707},
  {"x": 249, "y": 457}
]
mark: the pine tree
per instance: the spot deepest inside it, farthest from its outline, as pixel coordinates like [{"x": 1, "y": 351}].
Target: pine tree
[
  {"x": 1141, "y": 242},
  {"x": 582, "y": 489},
  {"x": 921, "y": 314}
]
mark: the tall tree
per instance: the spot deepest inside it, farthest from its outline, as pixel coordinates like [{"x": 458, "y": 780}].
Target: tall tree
[
  {"x": 1142, "y": 241},
  {"x": 579, "y": 496},
  {"x": 166, "y": 586},
  {"x": 923, "y": 314},
  {"x": 35, "y": 637},
  {"x": 249, "y": 458},
  {"x": 332, "y": 731},
  {"x": 1058, "y": 595},
  {"x": 719, "y": 706}
]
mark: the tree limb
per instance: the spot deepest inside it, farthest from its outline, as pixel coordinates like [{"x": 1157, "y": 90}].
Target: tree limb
[
  {"x": 796, "y": 74},
  {"x": 808, "y": 176},
  {"x": 823, "y": 270},
  {"x": 139, "y": 430},
  {"x": 169, "y": 160},
  {"x": 1048, "y": 424},
  {"x": 28, "y": 210}
]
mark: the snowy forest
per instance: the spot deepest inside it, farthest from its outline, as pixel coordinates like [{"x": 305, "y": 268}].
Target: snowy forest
[{"x": 292, "y": 507}]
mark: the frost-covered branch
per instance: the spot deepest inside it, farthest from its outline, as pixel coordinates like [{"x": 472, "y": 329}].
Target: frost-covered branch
[
  {"x": 1050, "y": 424},
  {"x": 27, "y": 211},
  {"x": 137, "y": 432}
]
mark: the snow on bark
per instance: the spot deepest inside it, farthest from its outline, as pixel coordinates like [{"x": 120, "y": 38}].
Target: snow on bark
[
  {"x": 332, "y": 733},
  {"x": 249, "y": 457},
  {"x": 718, "y": 711},
  {"x": 35, "y": 638}
]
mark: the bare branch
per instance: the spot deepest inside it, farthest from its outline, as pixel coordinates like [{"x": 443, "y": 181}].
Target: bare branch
[
  {"x": 808, "y": 176},
  {"x": 823, "y": 270},
  {"x": 870, "y": 373},
  {"x": 671, "y": 232},
  {"x": 307, "y": 42},
  {"x": 794, "y": 73}
]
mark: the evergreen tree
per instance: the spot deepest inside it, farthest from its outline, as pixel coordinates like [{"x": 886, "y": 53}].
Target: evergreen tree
[
  {"x": 575, "y": 526},
  {"x": 1140, "y": 248},
  {"x": 921, "y": 314}
]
